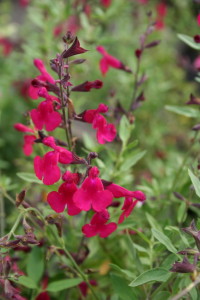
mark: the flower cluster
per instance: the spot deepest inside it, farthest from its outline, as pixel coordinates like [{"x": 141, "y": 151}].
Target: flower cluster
[{"x": 79, "y": 191}]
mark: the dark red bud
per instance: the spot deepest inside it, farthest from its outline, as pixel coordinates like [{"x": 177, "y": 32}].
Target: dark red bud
[{"x": 197, "y": 38}]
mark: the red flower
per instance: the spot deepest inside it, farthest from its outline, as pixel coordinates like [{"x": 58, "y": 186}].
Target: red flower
[
  {"x": 109, "y": 61},
  {"x": 118, "y": 191},
  {"x": 84, "y": 287},
  {"x": 43, "y": 296},
  {"x": 6, "y": 45},
  {"x": 64, "y": 197},
  {"x": 45, "y": 116},
  {"x": 44, "y": 77},
  {"x": 198, "y": 19},
  {"x": 127, "y": 208},
  {"x": 23, "y": 128},
  {"x": 89, "y": 115},
  {"x": 46, "y": 167},
  {"x": 106, "y": 132},
  {"x": 98, "y": 225},
  {"x": 161, "y": 9},
  {"x": 92, "y": 193},
  {"x": 28, "y": 144},
  {"x": 106, "y": 3}
]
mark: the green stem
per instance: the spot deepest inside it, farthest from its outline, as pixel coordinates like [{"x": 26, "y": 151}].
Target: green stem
[
  {"x": 135, "y": 87},
  {"x": 12, "y": 231},
  {"x": 63, "y": 109},
  {"x": 187, "y": 289},
  {"x": 178, "y": 173},
  {"x": 5, "y": 194},
  {"x": 2, "y": 216}
]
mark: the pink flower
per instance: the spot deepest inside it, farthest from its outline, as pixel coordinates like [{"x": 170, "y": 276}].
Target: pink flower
[
  {"x": 98, "y": 225},
  {"x": 92, "y": 193},
  {"x": 109, "y": 61},
  {"x": 127, "y": 208},
  {"x": 28, "y": 144},
  {"x": 87, "y": 86},
  {"x": 46, "y": 168},
  {"x": 196, "y": 63},
  {"x": 23, "y": 128},
  {"x": 24, "y": 3},
  {"x": 198, "y": 19},
  {"x": 84, "y": 287},
  {"x": 45, "y": 116},
  {"x": 118, "y": 191},
  {"x": 106, "y": 132},
  {"x": 64, "y": 197}
]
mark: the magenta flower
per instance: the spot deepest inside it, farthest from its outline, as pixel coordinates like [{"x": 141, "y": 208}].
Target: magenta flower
[
  {"x": 46, "y": 168},
  {"x": 127, "y": 208},
  {"x": 89, "y": 115},
  {"x": 98, "y": 225},
  {"x": 109, "y": 61},
  {"x": 44, "y": 77},
  {"x": 28, "y": 144},
  {"x": 65, "y": 156},
  {"x": 198, "y": 19},
  {"x": 23, "y": 128},
  {"x": 118, "y": 191},
  {"x": 92, "y": 193},
  {"x": 106, "y": 132},
  {"x": 64, "y": 197},
  {"x": 45, "y": 116}
]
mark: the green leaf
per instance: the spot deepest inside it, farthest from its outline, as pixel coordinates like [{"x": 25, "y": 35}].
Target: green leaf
[
  {"x": 157, "y": 274},
  {"x": 126, "y": 272},
  {"x": 64, "y": 284},
  {"x": 189, "y": 41},
  {"x": 195, "y": 181},
  {"x": 183, "y": 111},
  {"x": 163, "y": 239},
  {"x": 181, "y": 213},
  {"x": 27, "y": 282},
  {"x": 29, "y": 177},
  {"x": 153, "y": 222},
  {"x": 120, "y": 286},
  {"x": 131, "y": 160},
  {"x": 35, "y": 264},
  {"x": 125, "y": 129},
  {"x": 162, "y": 295}
]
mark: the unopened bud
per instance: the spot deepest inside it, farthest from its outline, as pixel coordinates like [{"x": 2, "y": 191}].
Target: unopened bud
[{"x": 20, "y": 197}]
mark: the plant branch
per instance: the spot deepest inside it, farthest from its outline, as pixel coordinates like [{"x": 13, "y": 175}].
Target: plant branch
[{"x": 187, "y": 289}]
